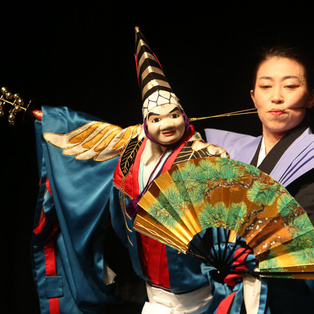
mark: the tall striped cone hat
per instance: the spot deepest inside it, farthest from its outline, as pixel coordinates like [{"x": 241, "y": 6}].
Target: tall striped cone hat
[{"x": 154, "y": 85}]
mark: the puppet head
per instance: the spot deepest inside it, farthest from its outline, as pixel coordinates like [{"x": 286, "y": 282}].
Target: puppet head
[{"x": 155, "y": 88}]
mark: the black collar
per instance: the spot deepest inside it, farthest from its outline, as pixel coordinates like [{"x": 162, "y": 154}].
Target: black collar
[{"x": 277, "y": 151}]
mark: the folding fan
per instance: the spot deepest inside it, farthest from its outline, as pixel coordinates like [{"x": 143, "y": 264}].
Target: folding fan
[{"x": 201, "y": 196}]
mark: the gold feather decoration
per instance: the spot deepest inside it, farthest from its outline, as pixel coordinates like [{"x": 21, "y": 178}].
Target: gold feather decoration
[{"x": 98, "y": 140}]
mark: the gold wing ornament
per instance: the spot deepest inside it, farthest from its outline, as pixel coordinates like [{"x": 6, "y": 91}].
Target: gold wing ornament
[{"x": 98, "y": 140}]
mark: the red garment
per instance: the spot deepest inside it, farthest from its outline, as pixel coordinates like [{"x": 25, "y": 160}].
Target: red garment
[{"x": 152, "y": 253}]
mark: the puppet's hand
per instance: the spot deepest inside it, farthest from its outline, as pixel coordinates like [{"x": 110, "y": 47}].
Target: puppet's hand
[
  {"x": 217, "y": 151},
  {"x": 210, "y": 148},
  {"x": 98, "y": 140}
]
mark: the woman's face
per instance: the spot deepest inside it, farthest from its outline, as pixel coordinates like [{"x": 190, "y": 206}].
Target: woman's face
[
  {"x": 166, "y": 124},
  {"x": 281, "y": 95}
]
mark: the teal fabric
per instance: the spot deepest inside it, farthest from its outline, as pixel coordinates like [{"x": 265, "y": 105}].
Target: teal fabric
[{"x": 81, "y": 191}]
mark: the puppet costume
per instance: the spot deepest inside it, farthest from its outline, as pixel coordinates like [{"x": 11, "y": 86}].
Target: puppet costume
[
  {"x": 90, "y": 172},
  {"x": 291, "y": 163},
  {"x": 161, "y": 266}
]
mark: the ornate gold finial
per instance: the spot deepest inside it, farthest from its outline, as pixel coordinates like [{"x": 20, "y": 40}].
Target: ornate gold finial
[{"x": 16, "y": 102}]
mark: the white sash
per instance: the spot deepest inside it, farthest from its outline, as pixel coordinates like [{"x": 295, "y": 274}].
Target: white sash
[{"x": 165, "y": 302}]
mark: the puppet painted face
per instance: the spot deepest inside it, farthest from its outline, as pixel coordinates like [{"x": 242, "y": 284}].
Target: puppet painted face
[
  {"x": 281, "y": 95},
  {"x": 165, "y": 124}
]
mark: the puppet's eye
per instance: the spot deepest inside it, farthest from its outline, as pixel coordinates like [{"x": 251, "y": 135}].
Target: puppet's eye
[{"x": 175, "y": 115}]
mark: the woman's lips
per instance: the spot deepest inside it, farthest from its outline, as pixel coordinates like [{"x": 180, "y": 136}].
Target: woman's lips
[{"x": 276, "y": 112}]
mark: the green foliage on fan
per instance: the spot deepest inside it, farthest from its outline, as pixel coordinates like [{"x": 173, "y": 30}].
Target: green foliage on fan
[
  {"x": 263, "y": 194},
  {"x": 219, "y": 215}
]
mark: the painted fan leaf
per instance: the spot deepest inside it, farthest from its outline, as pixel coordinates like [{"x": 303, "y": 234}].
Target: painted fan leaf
[{"x": 217, "y": 192}]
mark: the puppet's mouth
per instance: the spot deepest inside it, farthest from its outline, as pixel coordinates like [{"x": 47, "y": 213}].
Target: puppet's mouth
[{"x": 168, "y": 133}]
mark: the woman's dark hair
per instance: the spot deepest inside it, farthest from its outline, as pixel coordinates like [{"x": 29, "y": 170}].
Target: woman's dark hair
[{"x": 290, "y": 53}]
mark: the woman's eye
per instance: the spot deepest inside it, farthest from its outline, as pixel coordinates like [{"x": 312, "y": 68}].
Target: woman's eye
[
  {"x": 292, "y": 86},
  {"x": 174, "y": 116},
  {"x": 155, "y": 120},
  {"x": 265, "y": 86}
]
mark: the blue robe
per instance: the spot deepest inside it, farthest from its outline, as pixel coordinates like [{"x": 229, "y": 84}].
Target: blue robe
[{"x": 67, "y": 242}]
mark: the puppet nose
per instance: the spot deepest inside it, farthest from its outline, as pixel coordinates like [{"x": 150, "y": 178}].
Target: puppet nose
[{"x": 167, "y": 124}]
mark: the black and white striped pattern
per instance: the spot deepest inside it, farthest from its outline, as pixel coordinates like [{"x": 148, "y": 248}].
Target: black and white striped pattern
[{"x": 153, "y": 82}]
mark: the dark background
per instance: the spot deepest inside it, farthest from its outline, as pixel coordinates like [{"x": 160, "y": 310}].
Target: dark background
[{"x": 80, "y": 54}]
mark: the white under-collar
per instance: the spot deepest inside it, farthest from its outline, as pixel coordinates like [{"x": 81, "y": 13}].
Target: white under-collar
[
  {"x": 151, "y": 153},
  {"x": 262, "y": 153},
  {"x": 150, "y": 158}
]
